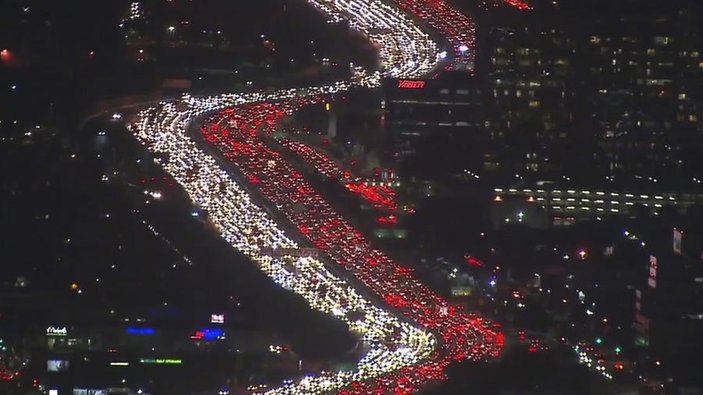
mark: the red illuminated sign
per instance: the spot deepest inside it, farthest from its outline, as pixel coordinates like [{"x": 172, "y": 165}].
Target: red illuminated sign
[
  {"x": 652, "y": 280},
  {"x": 473, "y": 261},
  {"x": 410, "y": 84}
]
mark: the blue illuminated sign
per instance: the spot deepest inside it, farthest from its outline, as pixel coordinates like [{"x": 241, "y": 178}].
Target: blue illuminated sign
[
  {"x": 212, "y": 334},
  {"x": 139, "y": 331},
  {"x": 208, "y": 334}
]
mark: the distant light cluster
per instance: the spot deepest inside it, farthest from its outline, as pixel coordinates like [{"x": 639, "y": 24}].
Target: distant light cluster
[{"x": 136, "y": 11}]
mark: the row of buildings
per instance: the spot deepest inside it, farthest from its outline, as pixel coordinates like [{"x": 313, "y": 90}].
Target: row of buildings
[{"x": 575, "y": 93}]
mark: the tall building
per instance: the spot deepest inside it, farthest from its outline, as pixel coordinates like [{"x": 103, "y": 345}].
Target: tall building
[
  {"x": 428, "y": 118},
  {"x": 615, "y": 85},
  {"x": 645, "y": 70},
  {"x": 571, "y": 92},
  {"x": 530, "y": 103}
]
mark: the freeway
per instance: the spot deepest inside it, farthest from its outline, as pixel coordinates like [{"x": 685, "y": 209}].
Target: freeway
[
  {"x": 410, "y": 332},
  {"x": 285, "y": 187},
  {"x": 404, "y": 49},
  {"x": 247, "y": 227},
  {"x": 457, "y": 28}
]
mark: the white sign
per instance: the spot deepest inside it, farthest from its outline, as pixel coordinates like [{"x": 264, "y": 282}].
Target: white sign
[
  {"x": 678, "y": 237},
  {"x": 217, "y": 318},
  {"x": 56, "y": 331},
  {"x": 84, "y": 391}
]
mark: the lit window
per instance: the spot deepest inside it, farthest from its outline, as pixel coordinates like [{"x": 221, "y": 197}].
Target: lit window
[{"x": 663, "y": 40}]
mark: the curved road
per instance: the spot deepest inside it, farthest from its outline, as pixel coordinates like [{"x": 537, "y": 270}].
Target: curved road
[{"x": 410, "y": 332}]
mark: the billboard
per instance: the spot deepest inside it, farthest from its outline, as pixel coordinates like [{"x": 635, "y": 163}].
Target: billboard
[
  {"x": 86, "y": 391},
  {"x": 652, "y": 279},
  {"x": 56, "y": 365},
  {"x": 139, "y": 331},
  {"x": 56, "y": 331},
  {"x": 208, "y": 334},
  {"x": 411, "y": 84},
  {"x": 161, "y": 361},
  {"x": 678, "y": 238}
]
